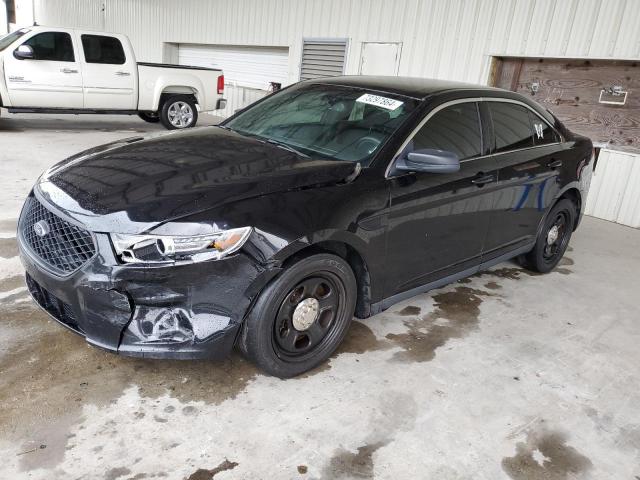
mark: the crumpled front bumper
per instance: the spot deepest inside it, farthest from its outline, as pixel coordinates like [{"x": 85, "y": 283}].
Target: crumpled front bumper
[{"x": 170, "y": 311}]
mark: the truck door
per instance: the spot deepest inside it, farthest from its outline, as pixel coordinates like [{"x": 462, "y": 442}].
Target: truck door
[
  {"x": 51, "y": 78},
  {"x": 109, "y": 75}
]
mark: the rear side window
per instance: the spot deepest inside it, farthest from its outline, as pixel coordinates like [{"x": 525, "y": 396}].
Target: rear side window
[
  {"x": 52, "y": 46},
  {"x": 544, "y": 134},
  {"x": 511, "y": 126},
  {"x": 454, "y": 129},
  {"x": 102, "y": 49}
]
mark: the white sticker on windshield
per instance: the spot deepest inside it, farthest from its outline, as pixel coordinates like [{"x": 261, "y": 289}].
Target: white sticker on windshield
[{"x": 378, "y": 101}]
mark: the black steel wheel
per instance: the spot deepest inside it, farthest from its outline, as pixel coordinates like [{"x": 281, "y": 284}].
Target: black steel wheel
[
  {"x": 301, "y": 317},
  {"x": 553, "y": 238},
  {"x": 307, "y": 315}
]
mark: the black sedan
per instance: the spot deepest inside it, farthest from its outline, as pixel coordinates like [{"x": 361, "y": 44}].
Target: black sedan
[{"x": 329, "y": 199}]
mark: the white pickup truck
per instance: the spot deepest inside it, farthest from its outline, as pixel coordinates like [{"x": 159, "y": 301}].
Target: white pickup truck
[{"x": 61, "y": 70}]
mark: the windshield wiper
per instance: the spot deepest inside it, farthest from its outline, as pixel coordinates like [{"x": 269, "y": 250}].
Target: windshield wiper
[
  {"x": 277, "y": 143},
  {"x": 285, "y": 146}
]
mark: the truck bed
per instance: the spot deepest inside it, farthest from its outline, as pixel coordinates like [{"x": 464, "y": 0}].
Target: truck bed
[
  {"x": 171, "y": 65},
  {"x": 157, "y": 78}
]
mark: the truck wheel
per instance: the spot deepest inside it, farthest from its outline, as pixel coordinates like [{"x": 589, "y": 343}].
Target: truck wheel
[
  {"x": 151, "y": 117},
  {"x": 178, "y": 112},
  {"x": 301, "y": 317}
]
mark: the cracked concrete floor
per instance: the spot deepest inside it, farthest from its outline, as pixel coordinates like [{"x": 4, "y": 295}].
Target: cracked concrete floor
[{"x": 505, "y": 375}]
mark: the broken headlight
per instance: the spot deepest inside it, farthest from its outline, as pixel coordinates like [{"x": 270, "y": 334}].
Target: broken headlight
[{"x": 173, "y": 248}]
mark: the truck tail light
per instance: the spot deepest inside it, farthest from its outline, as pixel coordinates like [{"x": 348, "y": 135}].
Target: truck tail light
[{"x": 220, "y": 84}]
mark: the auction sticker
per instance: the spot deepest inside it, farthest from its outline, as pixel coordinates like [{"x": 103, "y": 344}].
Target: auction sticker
[{"x": 378, "y": 101}]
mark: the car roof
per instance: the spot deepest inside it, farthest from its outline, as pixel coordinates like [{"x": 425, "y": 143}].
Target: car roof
[
  {"x": 414, "y": 87},
  {"x": 421, "y": 88}
]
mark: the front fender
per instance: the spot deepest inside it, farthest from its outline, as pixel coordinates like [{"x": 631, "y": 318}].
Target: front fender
[
  {"x": 5, "y": 101},
  {"x": 317, "y": 238}
]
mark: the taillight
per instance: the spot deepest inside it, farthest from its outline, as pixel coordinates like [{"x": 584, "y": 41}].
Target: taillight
[{"x": 220, "y": 84}]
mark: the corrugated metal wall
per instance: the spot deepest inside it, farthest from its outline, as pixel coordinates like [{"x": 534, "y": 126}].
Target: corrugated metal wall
[
  {"x": 441, "y": 38},
  {"x": 449, "y": 39},
  {"x": 4, "y": 25},
  {"x": 615, "y": 189}
]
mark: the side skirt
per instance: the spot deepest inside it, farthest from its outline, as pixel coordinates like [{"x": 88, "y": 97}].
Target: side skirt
[
  {"x": 390, "y": 301},
  {"x": 75, "y": 111}
]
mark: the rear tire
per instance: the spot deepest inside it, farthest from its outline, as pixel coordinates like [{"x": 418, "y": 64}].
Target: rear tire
[
  {"x": 553, "y": 239},
  {"x": 150, "y": 117},
  {"x": 301, "y": 317},
  {"x": 179, "y": 112}
]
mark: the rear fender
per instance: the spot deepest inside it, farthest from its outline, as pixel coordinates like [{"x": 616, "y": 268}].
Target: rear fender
[
  {"x": 562, "y": 193},
  {"x": 176, "y": 84}
]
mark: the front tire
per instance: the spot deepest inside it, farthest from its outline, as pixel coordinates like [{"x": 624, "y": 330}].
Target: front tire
[
  {"x": 301, "y": 317},
  {"x": 150, "y": 117},
  {"x": 178, "y": 112},
  {"x": 553, "y": 238}
]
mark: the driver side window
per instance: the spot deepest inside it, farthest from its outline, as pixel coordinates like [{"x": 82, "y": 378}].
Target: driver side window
[
  {"x": 52, "y": 46},
  {"x": 453, "y": 129}
]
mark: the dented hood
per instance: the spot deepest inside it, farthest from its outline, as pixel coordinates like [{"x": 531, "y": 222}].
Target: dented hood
[{"x": 135, "y": 184}]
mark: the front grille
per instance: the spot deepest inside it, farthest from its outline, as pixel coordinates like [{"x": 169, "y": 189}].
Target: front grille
[
  {"x": 63, "y": 246},
  {"x": 60, "y": 310}
]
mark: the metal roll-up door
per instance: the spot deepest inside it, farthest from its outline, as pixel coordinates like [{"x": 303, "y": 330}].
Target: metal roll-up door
[{"x": 248, "y": 71}]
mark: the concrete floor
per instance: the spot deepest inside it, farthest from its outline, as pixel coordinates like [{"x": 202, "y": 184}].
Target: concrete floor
[{"x": 506, "y": 375}]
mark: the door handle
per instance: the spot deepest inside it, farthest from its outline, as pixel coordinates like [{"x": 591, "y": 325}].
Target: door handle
[
  {"x": 68, "y": 70},
  {"x": 123, "y": 74},
  {"x": 553, "y": 164},
  {"x": 482, "y": 180}
]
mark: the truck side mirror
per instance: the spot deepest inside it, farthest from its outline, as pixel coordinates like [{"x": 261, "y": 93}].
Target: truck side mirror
[{"x": 24, "y": 52}]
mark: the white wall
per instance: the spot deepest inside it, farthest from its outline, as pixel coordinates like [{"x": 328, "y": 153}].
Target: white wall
[
  {"x": 24, "y": 14},
  {"x": 615, "y": 189},
  {"x": 441, "y": 38},
  {"x": 448, "y": 39},
  {"x": 3, "y": 17}
]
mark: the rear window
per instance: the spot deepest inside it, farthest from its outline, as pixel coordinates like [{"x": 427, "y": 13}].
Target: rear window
[
  {"x": 102, "y": 49},
  {"x": 511, "y": 126},
  {"x": 544, "y": 133}
]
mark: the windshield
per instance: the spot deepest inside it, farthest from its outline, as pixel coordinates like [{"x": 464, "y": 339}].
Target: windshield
[
  {"x": 327, "y": 121},
  {"x": 7, "y": 40}
]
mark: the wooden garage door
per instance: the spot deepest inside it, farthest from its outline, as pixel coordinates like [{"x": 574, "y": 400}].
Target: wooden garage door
[{"x": 571, "y": 89}]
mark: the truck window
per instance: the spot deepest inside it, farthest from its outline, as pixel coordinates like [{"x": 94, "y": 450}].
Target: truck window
[
  {"x": 102, "y": 49},
  {"x": 52, "y": 46}
]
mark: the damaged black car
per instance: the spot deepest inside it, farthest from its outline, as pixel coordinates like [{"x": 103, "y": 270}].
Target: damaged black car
[{"x": 330, "y": 199}]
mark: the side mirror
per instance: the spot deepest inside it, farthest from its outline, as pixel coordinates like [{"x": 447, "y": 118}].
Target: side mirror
[
  {"x": 429, "y": 160},
  {"x": 24, "y": 52}
]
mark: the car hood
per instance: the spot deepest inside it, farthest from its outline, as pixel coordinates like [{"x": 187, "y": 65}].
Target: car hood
[{"x": 133, "y": 185}]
